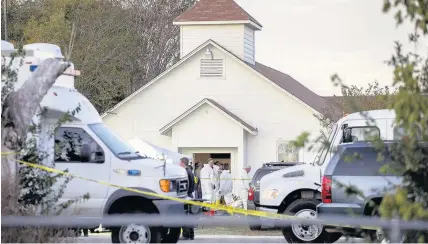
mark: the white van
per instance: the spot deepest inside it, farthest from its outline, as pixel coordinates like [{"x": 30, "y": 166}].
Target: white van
[
  {"x": 86, "y": 147},
  {"x": 296, "y": 190}
]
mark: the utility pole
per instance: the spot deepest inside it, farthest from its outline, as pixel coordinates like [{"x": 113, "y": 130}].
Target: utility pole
[{"x": 5, "y": 18}]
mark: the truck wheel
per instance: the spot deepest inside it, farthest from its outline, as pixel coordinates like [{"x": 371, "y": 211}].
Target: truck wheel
[
  {"x": 136, "y": 233},
  {"x": 297, "y": 233},
  {"x": 172, "y": 236}
]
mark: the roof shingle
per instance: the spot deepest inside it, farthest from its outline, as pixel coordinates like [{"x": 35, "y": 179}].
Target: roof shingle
[
  {"x": 215, "y": 10},
  {"x": 298, "y": 90}
]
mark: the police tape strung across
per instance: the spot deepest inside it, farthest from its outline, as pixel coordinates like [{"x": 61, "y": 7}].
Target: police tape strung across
[{"x": 228, "y": 209}]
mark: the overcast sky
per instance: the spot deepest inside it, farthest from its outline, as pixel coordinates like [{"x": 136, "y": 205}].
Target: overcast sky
[{"x": 312, "y": 39}]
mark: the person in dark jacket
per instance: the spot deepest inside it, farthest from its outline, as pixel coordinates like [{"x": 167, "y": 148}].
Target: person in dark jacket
[
  {"x": 198, "y": 187},
  {"x": 188, "y": 232}
]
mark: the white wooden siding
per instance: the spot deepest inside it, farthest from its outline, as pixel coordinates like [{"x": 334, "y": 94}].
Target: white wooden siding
[
  {"x": 276, "y": 115},
  {"x": 230, "y": 37},
  {"x": 249, "y": 45},
  {"x": 206, "y": 127}
]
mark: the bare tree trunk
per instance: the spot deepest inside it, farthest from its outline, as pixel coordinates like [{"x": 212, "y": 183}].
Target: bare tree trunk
[{"x": 20, "y": 107}]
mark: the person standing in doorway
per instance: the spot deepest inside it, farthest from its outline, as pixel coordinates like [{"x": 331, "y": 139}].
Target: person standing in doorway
[
  {"x": 226, "y": 185},
  {"x": 245, "y": 185},
  {"x": 217, "y": 172},
  {"x": 188, "y": 232},
  {"x": 198, "y": 188},
  {"x": 208, "y": 181}
]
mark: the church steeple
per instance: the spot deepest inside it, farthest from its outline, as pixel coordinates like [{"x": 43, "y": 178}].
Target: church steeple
[{"x": 223, "y": 21}]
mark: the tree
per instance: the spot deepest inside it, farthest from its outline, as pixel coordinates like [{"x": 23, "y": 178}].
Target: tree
[
  {"x": 25, "y": 190},
  {"x": 159, "y": 45},
  {"x": 410, "y": 155},
  {"x": 354, "y": 99},
  {"x": 118, "y": 45},
  {"x": 19, "y": 107}
]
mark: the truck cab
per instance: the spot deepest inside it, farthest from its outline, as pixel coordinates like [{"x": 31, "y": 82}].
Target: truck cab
[
  {"x": 87, "y": 148},
  {"x": 296, "y": 190}
]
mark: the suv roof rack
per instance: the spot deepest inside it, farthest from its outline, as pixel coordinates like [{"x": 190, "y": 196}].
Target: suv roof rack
[{"x": 272, "y": 164}]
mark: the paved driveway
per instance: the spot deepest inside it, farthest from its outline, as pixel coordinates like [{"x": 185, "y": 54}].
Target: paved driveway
[{"x": 105, "y": 238}]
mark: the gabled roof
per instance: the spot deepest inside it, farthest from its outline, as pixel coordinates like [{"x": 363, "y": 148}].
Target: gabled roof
[
  {"x": 216, "y": 10},
  {"x": 283, "y": 81},
  {"x": 292, "y": 86},
  {"x": 252, "y": 130}
]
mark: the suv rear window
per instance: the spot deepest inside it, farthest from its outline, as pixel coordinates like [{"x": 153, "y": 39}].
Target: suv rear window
[
  {"x": 362, "y": 161},
  {"x": 259, "y": 174}
]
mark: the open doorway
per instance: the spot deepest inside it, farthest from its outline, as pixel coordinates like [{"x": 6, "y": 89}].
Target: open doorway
[{"x": 220, "y": 159}]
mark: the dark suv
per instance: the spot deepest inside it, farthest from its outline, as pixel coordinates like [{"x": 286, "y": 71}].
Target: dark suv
[
  {"x": 254, "y": 190},
  {"x": 355, "y": 164}
]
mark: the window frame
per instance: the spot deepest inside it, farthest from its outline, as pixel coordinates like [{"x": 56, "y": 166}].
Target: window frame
[
  {"x": 258, "y": 173},
  {"x": 279, "y": 142},
  {"x": 419, "y": 135},
  {"x": 358, "y": 169},
  {"x": 90, "y": 136},
  {"x": 365, "y": 126}
]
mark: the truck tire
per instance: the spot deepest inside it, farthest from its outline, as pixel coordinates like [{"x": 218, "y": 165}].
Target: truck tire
[
  {"x": 172, "y": 235},
  {"x": 136, "y": 233},
  {"x": 306, "y": 208}
]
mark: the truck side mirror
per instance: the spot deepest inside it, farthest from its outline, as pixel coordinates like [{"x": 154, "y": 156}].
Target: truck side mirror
[
  {"x": 347, "y": 135},
  {"x": 85, "y": 153}
]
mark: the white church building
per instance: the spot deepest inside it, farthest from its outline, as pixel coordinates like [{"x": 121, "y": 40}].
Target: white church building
[{"x": 217, "y": 101}]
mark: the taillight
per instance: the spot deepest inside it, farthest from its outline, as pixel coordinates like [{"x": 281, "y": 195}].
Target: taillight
[
  {"x": 326, "y": 189},
  {"x": 251, "y": 194}
]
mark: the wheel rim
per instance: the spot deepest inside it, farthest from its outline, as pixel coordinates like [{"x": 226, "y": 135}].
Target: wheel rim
[
  {"x": 306, "y": 232},
  {"x": 134, "y": 234}
]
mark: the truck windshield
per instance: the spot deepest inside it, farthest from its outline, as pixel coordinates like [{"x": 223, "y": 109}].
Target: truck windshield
[
  {"x": 326, "y": 147},
  {"x": 120, "y": 148}
]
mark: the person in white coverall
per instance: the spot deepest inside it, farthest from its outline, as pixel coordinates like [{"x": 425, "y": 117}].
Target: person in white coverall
[
  {"x": 217, "y": 173},
  {"x": 245, "y": 185},
  {"x": 226, "y": 185},
  {"x": 208, "y": 181}
]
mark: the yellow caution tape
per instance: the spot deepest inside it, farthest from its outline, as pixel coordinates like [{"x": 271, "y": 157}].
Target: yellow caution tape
[{"x": 228, "y": 209}]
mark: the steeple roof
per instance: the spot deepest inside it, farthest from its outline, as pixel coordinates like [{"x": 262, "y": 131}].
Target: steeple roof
[{"x": 215, "y": 10}]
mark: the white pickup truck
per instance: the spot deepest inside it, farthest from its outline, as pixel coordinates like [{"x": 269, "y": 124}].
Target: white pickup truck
[
  {"x": 296, "y": 190},
  {"x": 88, "y": 148}
]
